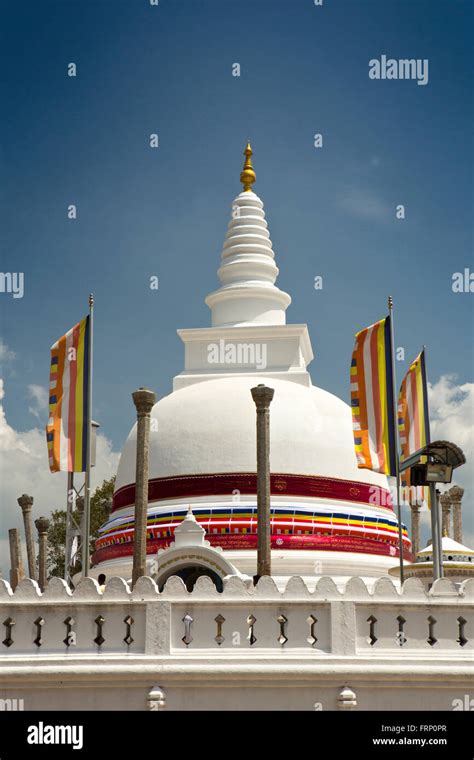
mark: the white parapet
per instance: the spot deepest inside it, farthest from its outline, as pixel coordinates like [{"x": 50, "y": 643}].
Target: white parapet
[{"x": 400, "y": 649}]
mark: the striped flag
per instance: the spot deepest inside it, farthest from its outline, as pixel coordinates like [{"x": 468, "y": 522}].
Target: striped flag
[
  {"x": 67, "y": 428},
  {"x": 372, "y": 399},
  {"x": 413, "y": 419}
]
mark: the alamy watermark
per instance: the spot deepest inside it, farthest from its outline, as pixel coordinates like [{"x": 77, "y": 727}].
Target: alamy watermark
[
  {"x": 12, "y": 705},
  {"x": 249, "y": 354},
  {"x": 463, "y": 282},
  {"x": 409, "y": 496},
  {"x": 12, "y": 282},
  {"x": 403, "y": 68},
  {"x": 467, "y": 704},
  {"x": 48, "y": 734}
]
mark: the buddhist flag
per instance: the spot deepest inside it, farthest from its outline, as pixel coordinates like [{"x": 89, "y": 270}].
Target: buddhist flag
[
  {"x": 413, "y": 418},
  {"x": 372, "y": 399},
  {"x": 67, "y": 428}
]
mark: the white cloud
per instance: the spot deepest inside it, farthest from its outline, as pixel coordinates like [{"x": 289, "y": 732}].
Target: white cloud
[
  {"x": 6, "y": 355},
  {"x": 452, "y": 419},
  {"x": 39, "y": 401},
  {"x": 364, "y": 204},
  {"x": 452, "y": 413},
  {"x": 25, "y": 470}
]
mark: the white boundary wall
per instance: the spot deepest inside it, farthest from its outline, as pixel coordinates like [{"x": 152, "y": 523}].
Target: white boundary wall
[{"x": 283, "y": 669}]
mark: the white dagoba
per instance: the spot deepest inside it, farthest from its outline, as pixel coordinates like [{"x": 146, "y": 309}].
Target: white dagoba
[{"x": 328, "y": 516}]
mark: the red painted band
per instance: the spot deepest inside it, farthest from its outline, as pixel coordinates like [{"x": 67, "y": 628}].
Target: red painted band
[
  {"x": 223, "y": 484},
  {"x": 249, "y": 542}
]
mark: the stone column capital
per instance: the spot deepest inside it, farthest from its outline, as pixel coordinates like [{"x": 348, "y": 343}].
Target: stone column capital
[
  {"x": 42, "y": 525},
  {"x": 144, "y": 401},
  {"x": 262, "y": 396},
  {"x": 456, "y": 493},
  {"x": 25, "y": 502}
]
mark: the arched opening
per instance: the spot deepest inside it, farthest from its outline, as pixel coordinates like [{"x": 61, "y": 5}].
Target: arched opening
[{"x": 189, "y": 575}]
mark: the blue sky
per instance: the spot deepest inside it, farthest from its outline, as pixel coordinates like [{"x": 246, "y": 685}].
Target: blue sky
[{"x": 143, "y": 212}]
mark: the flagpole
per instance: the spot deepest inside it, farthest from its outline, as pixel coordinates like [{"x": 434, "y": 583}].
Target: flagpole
[
  {"x": 69, "y": 508},
  {"x": 87, "y": 483},
  {"x": 436, "y": 540},
  {"x": 397, "y": 447}
]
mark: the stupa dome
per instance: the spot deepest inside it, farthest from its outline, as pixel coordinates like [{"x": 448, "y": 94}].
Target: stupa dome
[{"x": 209, "y": 427}]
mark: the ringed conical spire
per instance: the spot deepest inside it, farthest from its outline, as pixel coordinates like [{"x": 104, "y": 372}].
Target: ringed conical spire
[
  {"x": 247, "y": 175},
  {"x": 248, "y": 294}
]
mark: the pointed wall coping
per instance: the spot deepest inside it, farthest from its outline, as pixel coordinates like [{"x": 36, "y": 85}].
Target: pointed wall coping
[
  {"x": 266, "y": 587},
  {"x": 87, "y": 588},
  {"x": 325, "y": 587},
  {"x": 235, "y": 587},
  {"x": 27, "y": 589},
  {"x": 119, "y": 590},
  {"x": 413, "y": 588},
  {"x": 145, "y": 589},
  {"x": 443, "y": 587},
  {"x": 296, "y": 588},
  {"x": 175, "y": 588},
  {"x": 385, "y": 588},
  {"x": 57, "y": 590},
  {"x": 467, "y": 589},
  {"x": 356, "y": 588},
  {"x": 205, "y": 588},
  {"x": 6, "y": 590}
]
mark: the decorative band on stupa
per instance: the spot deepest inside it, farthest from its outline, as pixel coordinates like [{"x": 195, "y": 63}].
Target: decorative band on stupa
[
  {"x": 236, "y": 528},
  {"x": 315, "y": 486},
  {"x": 294, "y": 526}
]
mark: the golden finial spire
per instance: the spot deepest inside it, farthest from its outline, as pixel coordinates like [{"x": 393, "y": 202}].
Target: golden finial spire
[{"x": 248, "y": 176}]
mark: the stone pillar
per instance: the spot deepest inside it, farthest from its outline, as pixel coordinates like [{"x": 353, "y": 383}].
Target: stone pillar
[
  {"x": 42, "y": 525},
  {"x": 78, "y": 521},
  {"x": 17, "y": 571},
  {"x": 26, "y": 502},
  {"x": 445, "y": 501},
  {"x": 262, "y": 397},
  {"x": 415, "y": 529},
  {"x": 456, "y": 493},
  {"x": 144, "y": 401}
]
